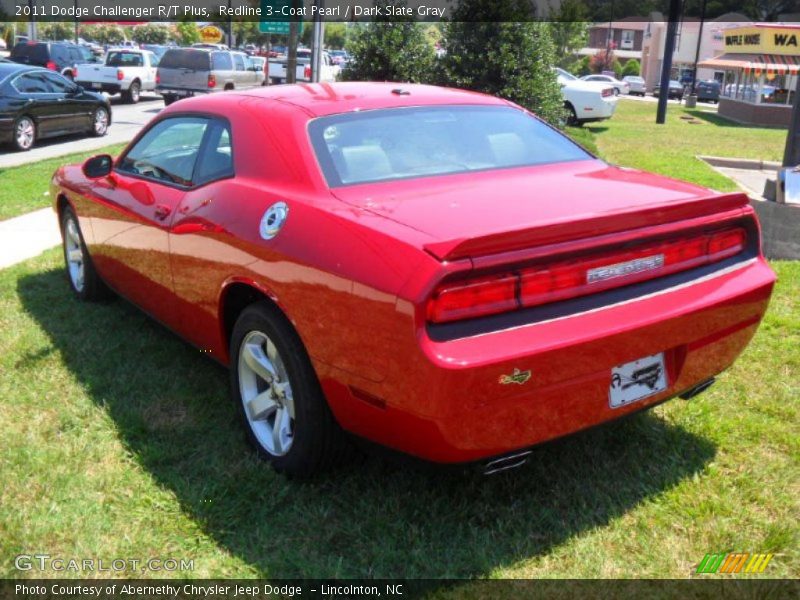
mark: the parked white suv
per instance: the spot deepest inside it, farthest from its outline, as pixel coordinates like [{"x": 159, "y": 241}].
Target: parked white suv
[{"x": 586, "y": 101}]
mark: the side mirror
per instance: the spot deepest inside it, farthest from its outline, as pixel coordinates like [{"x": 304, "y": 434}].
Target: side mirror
[
  {"x": 74, "y": 90},
  {"x": 98, "y": 166}
]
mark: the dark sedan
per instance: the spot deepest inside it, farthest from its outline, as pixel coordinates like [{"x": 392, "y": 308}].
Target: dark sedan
[
  {"x": 675, "y": 90},
  {"x": 37, "y": 103}
]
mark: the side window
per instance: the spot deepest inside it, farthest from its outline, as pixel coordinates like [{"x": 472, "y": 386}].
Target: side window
[
  {"x": 168, "y": 151},
  {"x": 221, "y": 61},
  {"x": 32, "y": 83},
  {"x": 75, "y": 55},
  {"x": 239, "y": 61},
  {"x": 153, "y": 59},
  {"x": 216, "y": 158},
  {"x": 57, "y": 84}
]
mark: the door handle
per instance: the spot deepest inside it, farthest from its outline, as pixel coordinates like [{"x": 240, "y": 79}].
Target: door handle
[{"x": 162, "y": 211}]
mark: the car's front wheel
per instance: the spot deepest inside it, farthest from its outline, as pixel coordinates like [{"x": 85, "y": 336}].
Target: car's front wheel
[
  {"x": 281, "y": 404},
  {"x": 169, "y": 99},
  {"x": 83, "y": 278}
]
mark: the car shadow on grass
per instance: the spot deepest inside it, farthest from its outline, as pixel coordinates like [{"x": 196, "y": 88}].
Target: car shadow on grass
[{"x": 368, "y": 518}]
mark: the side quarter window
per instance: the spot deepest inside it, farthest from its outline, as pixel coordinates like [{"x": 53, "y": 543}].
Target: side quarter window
[
  {"x": 168, "y": 151},
  {"x": 216, "y": 156},
  {"x": 238, "y": 60}
]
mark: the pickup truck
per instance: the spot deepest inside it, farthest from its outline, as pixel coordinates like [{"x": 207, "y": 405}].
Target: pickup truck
[
  {"x": 125, "y": 72},
  {"x": 277, "y": 68}
]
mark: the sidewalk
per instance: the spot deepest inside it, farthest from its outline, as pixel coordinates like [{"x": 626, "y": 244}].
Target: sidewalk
[{"x": 27, "y": 236}]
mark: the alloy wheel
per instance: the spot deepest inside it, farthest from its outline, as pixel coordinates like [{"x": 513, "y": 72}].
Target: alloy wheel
[
  {"x": 74, "y": 254},
  {"x": 100, "y": 121},
  {"x": 266, "y": 393},
  {"x": 25, "y": 133}
]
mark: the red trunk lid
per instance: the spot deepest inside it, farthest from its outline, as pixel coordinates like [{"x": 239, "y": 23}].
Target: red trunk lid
[{"x": 497, "y": 211}]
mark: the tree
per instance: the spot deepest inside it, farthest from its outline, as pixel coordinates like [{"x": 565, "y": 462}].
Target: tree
[
  {"x": 385, "y": 50},
  {"x": 570, "y": 31},
  {"x": 495, "y": 48},
  {"x": 335, "y": 35},
  {"x": 187, "y": 33},
  {"x": 632, "y": 67},
  {"x": 583, "y": 67},
  {"x": 103, "y": 34},
  {"x": 56, "y": 30},
  {"x": 150, "y": 33}
]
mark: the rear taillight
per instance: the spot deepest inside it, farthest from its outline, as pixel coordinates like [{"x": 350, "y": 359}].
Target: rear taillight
[
  {"x": 212, "y": 80},
  {"x": 307, "y": 72},
  {"x": 158, "y": 77},
  {"x": 120, "y": 75},
  {"x": 51, "y": 65},
  {"x": 607, "y": 92},
  {"x": 570, "y": 278}
]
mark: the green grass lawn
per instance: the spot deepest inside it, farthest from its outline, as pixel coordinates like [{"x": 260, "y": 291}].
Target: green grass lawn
[
  {"x": 119, "y": 441},
  {"x": 632, "y": 138},
  {"x": 25, "y": 188}
]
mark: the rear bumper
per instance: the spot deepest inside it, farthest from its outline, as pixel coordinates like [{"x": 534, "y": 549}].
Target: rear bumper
[
  {"x": 181, "y": 92},
  {"x": 110, "y": 88},
  {"x": 444, "y": 402},
  {"x": 597, "y": 111}
]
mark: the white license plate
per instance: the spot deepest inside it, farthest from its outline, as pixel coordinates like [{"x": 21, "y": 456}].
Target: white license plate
[
  {"x": 637, "y": 380},
  {"x": 97, "y": 86}
]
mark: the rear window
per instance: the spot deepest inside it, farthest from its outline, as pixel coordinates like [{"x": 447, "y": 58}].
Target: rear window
[
  {"x": 403, "y": 143},
  {"x": 31, "y": 52},
  {"x": 185, "y": 59},
  {"x": 124, "y": 59}
]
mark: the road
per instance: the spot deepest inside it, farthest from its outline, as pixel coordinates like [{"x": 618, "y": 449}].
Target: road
[{"x": 127, "y": 120}]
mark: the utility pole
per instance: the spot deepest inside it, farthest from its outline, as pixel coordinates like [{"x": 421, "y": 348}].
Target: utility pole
[
  {"x": 699, "y": 43},
  {"x": 291, "y": 58},
  {"x": 666, "y": 67},
  {"x": 609, "y": 39},
  {"x": 76, "y": 21},
  {"x": 230, "y": 27},
  {"x": 791, "y": 157},
  {"x": 317, "y": 42}
]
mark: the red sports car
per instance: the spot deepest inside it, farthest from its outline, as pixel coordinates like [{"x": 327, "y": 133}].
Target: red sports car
[{"x": 434, "y": 270}]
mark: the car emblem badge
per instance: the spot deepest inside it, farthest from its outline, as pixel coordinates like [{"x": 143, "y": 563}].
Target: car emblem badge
[
  {"x": 518, "y": 377},
  {"x": 273, "y": 220}
]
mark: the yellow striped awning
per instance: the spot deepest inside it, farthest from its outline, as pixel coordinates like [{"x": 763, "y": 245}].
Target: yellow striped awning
[{"x": 755, "y": 62}]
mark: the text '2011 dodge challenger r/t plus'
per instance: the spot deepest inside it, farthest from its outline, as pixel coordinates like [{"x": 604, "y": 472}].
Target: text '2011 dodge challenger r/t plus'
[{"x": 434, "y": 270}]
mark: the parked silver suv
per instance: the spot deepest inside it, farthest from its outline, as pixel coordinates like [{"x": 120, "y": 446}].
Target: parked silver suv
[{"x": 185, "y": 72}]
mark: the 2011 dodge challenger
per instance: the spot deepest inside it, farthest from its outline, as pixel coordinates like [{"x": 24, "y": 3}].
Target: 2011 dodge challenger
[{"x": 434, "y": 270}]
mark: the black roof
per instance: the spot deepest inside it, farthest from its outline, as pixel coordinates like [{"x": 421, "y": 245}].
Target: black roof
[{"x": 9, "y": 68}]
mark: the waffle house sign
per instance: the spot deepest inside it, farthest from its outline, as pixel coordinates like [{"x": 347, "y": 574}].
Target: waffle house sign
[{"x": 763, "y": 39}]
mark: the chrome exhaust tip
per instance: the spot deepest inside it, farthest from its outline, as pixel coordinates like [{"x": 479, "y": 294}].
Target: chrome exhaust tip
[
  {"x": 504, "y": 463},
  {"x": 698, "y": 389}
]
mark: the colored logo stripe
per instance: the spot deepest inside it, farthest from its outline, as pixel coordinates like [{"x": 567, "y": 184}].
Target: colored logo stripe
[{"x": 734, "y": 563}]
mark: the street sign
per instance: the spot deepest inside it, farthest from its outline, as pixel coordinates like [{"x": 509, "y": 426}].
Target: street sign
[{"x": 275, "y": 15}]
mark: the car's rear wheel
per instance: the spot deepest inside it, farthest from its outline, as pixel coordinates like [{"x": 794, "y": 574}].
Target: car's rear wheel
[
  {"x": 133, "y": 93},
  {"x": 572, "y": 116},
  {"x": 169, "y": 99},
  {"x": 24, "y": 133},
  {"x": 83, "y": 278},
  {"x": 100, "y": 120},
  {"x": 281, "y": 404},
  {"x": 616, "y": 92}
]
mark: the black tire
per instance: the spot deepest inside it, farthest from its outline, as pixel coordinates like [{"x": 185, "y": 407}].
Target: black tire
[
  {"x": 616, "y": 92},
  {"x": 90, "y": 288},
  {"x": 169, "y": 99},
  {"x": 317, "y": 441},
  {"x": 24, "y": 141},
  {"x": 572, "y": 117},
  {"x": 133, "y": 93}
]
